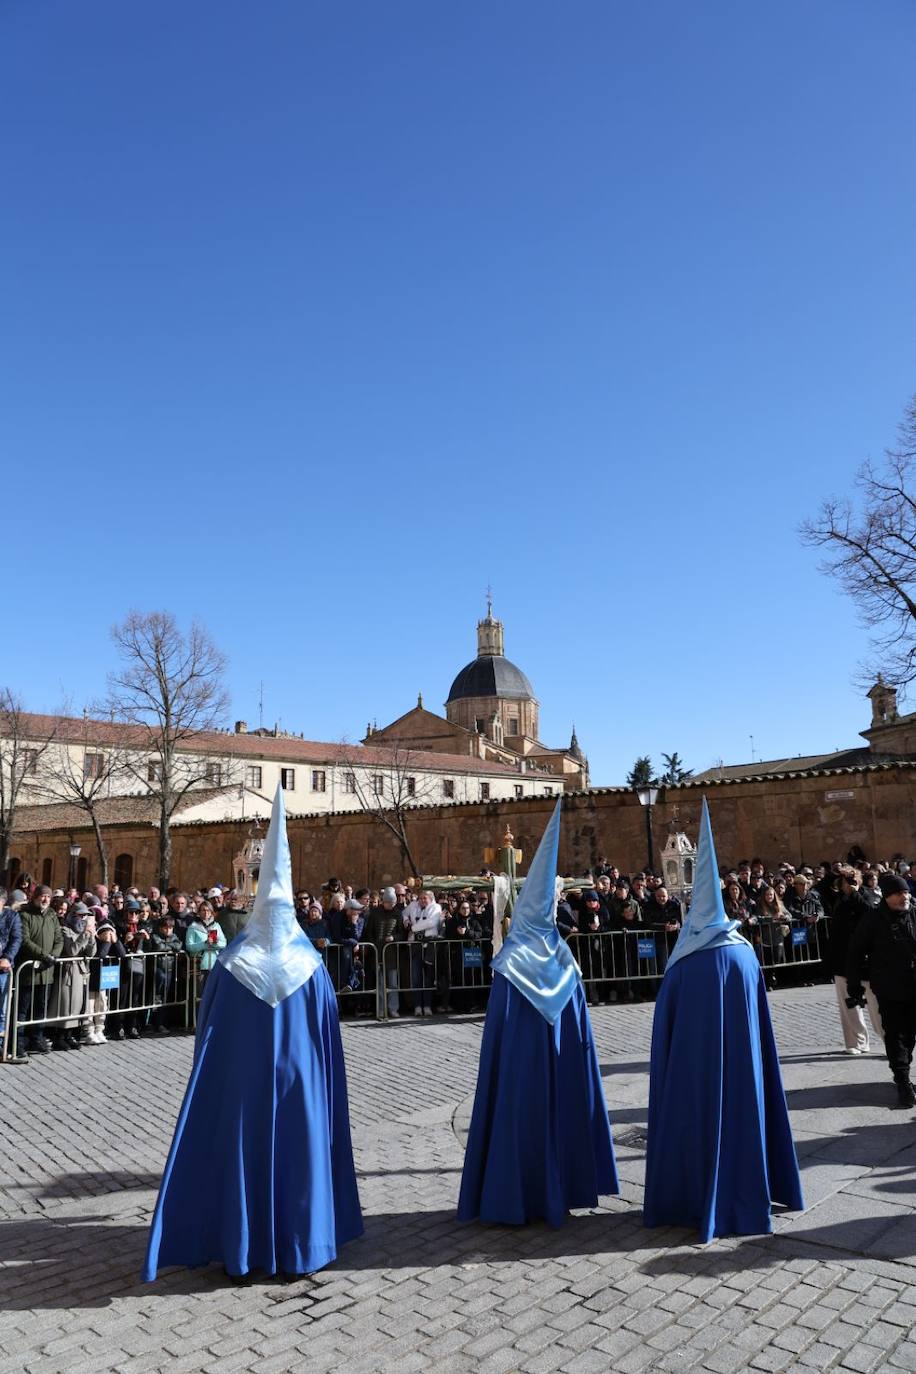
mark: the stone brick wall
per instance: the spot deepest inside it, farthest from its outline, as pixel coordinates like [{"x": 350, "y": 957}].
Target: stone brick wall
[{"x": 805, "y": 818}]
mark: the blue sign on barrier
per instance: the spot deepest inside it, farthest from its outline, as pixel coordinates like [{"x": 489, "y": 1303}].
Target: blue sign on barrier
[
  {"x": 800, "y": 936},
  {"x": 645, "y": 948},
  {"x": 110, "y": 977},
  {"x": 472, "y": 956}
]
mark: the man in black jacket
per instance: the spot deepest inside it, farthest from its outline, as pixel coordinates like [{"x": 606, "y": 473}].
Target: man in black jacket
[{"x": 883, "y": 949}]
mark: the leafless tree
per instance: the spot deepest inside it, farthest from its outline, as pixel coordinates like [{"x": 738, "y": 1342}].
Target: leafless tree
[
  {"x": 870, "y": 547},
  {"x": 388, "y": 787},
  {"x": 21, "y": 762},
  {"x": 85, "y": 771},
  {"x": 170, "y": 686}
]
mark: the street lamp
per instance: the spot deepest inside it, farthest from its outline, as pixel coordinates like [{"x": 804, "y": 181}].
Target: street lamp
[
  {"x": 74, "y": 855},
  {"x": 648, "y": 796}
]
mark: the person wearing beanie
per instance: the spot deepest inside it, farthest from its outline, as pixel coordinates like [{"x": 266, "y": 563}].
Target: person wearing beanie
[{"x": 883, "y": 951}]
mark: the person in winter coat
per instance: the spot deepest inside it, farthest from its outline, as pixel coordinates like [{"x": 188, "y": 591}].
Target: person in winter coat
[
  {"x": 42, "y": 944},
  {"x": 73, "y": 975},
  {"x": 423, "y": 922},
  {"x": 204, "y": 940},
  {"x": 166, "y": 945},
  {"x": 625, "y": 914},
  {"x": 109, "y": 954},
  {"x": 883, "y": 949},
  {"x": 848, "y": 912},
  {"x": 10, "y": 940}
]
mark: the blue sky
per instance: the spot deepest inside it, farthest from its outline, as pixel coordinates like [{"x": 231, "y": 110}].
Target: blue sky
[{"x": 318, "y": 317}]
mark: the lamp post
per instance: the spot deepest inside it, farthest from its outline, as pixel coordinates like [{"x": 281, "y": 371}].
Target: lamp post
[
  {"x": 74, "y": 855},
  {"x": 648, "y": 796}
]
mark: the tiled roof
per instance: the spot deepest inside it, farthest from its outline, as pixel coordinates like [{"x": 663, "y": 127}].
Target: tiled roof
[
  {"x": 808, "y": 763},
  {"x": 282, "y": 748}
]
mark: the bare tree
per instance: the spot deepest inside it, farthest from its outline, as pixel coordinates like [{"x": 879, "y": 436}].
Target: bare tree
[
  {"x": 21, "y": 759},
  {"x": 170, "y": 686},
  {"x": 870, "y": 546},
  {"x": 388, "y": 787},
  {"x": 85, "y": 771}
]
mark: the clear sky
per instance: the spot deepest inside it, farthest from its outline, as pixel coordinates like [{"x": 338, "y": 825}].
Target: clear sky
[{"x": 315, "y": 318}]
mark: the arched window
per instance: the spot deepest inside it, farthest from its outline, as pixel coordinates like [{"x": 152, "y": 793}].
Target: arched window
[
  {"x": 47, "y": 870},
  {"x": 124, "y": 871},
  {"x": 14, "y": 871},
  {"x": 82, "y": 874}
]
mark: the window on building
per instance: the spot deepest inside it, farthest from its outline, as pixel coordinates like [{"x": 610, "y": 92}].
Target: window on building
[
  {"x": 519, "y": 790},
  {"x": 28, "y": 761},
  {"x": 550, "y": 792},
  {"x": 319, "y": 780},
  {"x": 448, "y": 788},
  {"x": 93, "y": 766},
  {"x": 124, "y": 871},
  {"x": 253, "y": 775},
  {"x": 349, "y": 782},
  {"x": 479, "y": 724},
  {"x": 47, "y": 870},
  {"x": 513, "y": 725},
  {"x": 288, "y": 779},
  {"x": 378, "y": 784},
  {"x": 154, "y": 770},
  {"x": 214, "y": 774},
  {"x": 484, "y": 791},
  {"x": 82, "y": 873},
  {"x": 411, "y": 785}
]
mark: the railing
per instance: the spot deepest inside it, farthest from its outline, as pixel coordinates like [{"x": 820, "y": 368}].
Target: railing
[
  {"x": 127, "y": 993},
  {"x": 434, "y": 975},
  {"x": 410, "y": 976}
]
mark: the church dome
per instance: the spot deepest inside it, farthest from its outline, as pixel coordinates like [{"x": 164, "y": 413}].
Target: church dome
[{"x": 491, "y": 675}]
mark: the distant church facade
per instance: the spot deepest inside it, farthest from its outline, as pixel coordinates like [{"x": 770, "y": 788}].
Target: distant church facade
[{"x": 491, "y": 714}]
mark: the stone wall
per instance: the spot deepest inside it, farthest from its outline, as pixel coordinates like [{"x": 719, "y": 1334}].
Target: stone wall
[{"x": 802, "y": 818}]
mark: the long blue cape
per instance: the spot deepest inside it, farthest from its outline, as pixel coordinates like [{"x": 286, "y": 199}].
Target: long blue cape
[
  {"x": 260, "y": 1174},
  {"x": 540, "y": 1141},
  {"x": 720, "y": 1147}
]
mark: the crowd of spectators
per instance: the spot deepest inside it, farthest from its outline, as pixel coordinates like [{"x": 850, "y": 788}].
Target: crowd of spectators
[{"x": 67, "y": 943}]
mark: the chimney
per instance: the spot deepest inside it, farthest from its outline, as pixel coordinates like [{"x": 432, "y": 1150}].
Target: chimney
[{"x": 241, "y": 727}]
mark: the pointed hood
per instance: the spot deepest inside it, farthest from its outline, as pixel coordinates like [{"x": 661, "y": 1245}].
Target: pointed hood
[
  {"x": 273, "y": 956},
  {"x": 706, "y": 924},
  {"x": 535, "y": 958}
]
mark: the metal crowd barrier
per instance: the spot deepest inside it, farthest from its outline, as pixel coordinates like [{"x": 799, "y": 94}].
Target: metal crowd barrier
[
  {"x": 422, "y": 976},
  {"x": 640, "y": 955},
  {"x": 132, "y": 991},
  {"x": 353, "y": 972}
]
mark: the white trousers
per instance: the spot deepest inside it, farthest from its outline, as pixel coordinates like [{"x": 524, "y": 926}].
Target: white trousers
[{"x": 852, "y": 1019}]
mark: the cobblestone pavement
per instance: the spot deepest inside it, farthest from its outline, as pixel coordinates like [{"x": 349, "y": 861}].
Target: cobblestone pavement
[{"x": 84, "y": 1138}]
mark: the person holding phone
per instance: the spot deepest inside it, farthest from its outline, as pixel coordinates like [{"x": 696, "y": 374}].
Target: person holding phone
[{"x": 205, "y": 939}]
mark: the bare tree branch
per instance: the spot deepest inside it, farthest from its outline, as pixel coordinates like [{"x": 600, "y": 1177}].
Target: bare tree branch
[
  {"x": 870, "y": 549},
  {"x": 22, "y": 756},
  {"x": 171, "y": 687}
]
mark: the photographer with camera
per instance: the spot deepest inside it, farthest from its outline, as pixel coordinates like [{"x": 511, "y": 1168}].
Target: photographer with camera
[{"x": 883, "y": 950}]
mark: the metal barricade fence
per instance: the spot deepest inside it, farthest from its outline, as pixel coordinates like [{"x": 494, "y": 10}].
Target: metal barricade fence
[
  {"x": 353, "y": 972},
  {"x": 420, "y": 976},
  {"x": 129, "y": 992}
]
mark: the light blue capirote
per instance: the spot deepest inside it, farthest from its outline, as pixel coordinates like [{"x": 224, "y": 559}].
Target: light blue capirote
[
  {"x": 275, "y": 957},
  {"x": 535, "y": 958},
  {"x": 706, "y": 925}
]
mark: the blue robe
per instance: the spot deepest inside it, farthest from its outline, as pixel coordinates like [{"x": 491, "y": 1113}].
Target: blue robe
[
  {"x": 720, "y": 1147},
  {"x": 260, "y": 1174},
  {"x": 540, "y": 1141}
]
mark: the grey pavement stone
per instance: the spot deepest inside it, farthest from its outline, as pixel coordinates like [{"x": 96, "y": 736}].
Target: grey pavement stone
[{"x": 829, "y": 1289}]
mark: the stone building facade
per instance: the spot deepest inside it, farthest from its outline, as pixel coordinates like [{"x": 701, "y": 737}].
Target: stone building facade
[{"x": 801, "y": 816}]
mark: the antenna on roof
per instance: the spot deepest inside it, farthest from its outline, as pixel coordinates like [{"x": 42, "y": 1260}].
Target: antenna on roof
[
  {"x": 753, "y": 750},
  {"x": 261, "y": 706}
]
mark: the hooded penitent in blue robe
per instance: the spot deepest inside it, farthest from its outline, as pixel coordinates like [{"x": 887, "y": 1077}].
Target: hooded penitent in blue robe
[
  {"x": 539, "y": 1142},
  {"x": 719, "y": 1145},
  {"x": 260, "y": 1174}
]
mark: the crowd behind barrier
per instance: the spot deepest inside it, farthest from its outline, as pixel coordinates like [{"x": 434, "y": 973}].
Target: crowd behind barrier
[{"x": 78, "y": 970}]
